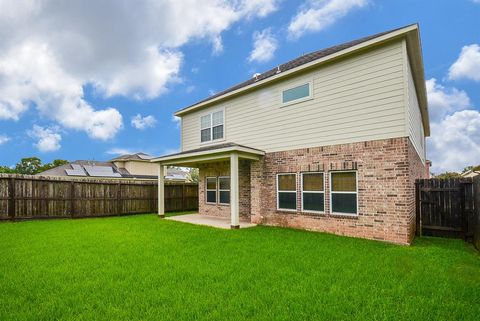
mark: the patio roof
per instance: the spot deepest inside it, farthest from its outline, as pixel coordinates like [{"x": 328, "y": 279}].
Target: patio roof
[{"x": 209, "y": 153}]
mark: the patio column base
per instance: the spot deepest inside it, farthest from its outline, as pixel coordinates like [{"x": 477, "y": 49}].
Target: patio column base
[
  {"x": 234, "y": 227},
  {"x": 161, "y": 216}
]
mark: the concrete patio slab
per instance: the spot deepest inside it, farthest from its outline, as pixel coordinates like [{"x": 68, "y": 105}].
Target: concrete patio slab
[{"x": 214, "y": 221}]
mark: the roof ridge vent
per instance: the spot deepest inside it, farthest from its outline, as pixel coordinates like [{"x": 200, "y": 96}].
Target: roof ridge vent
[{"x": 278, "y": 70}]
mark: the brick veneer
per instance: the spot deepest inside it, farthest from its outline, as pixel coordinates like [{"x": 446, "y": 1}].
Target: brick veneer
[
  {"x": 223, "y": 169},
  {"x": 386, "y": 171}
]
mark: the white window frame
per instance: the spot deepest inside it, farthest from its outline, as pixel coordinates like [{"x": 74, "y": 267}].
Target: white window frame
[
  {"x": 315, "y": 192},
  {"x": 210, "y": 190},
  {"x": 331, "y": 192},
  {"x": 299, "y": 100},
  {"x": 223, "y": 190},
  {"x": 210, "y": 113},
  {"x": 279, "y": 191}
]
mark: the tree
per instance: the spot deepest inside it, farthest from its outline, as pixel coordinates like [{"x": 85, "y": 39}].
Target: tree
[
  {"x": 472, "y": 168},
  {"x": 7, "y": 170},
  {"x": 29, "y": 166},
  {"x": 192, "y": 175},
  {"x": 55, "y": 163},
  {"x": 448, "y": 175}
]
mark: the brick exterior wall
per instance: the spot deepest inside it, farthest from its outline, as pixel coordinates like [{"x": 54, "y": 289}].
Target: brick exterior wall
[
  {"x": 217, "y": 169},
  {"x": 417, "y": 170},
  {"x": 386, "y": 172}
]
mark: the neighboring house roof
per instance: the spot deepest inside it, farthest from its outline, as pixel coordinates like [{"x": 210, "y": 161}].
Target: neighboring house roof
[
  {"x": 136, "y": 156},
  {"x": 313, "y": 59},
  {"x": 87, "y": 168},
  {"x": 470, "y": 173}
]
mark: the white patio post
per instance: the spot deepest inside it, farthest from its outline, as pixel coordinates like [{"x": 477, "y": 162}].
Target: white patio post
[
  {"x": 234, "y": 191},
  {"x": 161, "y": 191}
]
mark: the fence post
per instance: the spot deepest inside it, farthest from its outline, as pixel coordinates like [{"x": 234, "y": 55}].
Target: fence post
[
  {"x": 11, "y": 198},
  {"x": 417, "y": 208},
  {"x": 463, "y": 211},
  {"x": 184, "y": 206},
  {"x": 119, "y": 198},
  {"x": 72, "y": 199}
]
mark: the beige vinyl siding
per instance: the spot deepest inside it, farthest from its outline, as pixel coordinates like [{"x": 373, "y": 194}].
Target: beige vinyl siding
[
  {"x": 356, "y": 99},
  {"x": 414, "y": 117}
]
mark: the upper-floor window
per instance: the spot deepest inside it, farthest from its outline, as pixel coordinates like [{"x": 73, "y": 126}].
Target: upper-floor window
[
  {"x": 296, "y": 94},
  {"x": 211, "y": 126}
]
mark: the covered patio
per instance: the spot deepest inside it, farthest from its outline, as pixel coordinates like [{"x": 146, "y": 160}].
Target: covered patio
[{"x": 214, "y": 156}]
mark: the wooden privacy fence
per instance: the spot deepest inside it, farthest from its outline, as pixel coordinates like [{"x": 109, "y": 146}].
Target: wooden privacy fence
[
  {"x": 27, "y": 197},
  {"x": 446, "y": 207}
]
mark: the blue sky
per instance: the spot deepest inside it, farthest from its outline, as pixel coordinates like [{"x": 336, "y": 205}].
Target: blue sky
[{"x": 89, "y": 81}]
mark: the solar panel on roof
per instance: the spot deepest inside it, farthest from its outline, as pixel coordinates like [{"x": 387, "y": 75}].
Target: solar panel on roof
[
  {"x": 101, "y": 171},
  {"x": 76, "y": 171}
]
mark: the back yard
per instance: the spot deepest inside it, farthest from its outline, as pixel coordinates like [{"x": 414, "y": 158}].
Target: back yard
[{"x": 144, "y": 268}]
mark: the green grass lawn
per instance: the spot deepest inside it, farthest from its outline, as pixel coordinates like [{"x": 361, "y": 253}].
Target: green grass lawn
[{"x": 145, "y": 268}]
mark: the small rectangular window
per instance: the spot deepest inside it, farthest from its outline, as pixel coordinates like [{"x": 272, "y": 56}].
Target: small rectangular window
[
  {"x": 224, "y": 190},
  {"x": 313, "y": 194},
  {"x": 296, "y": 93},
  {"x": 343, "y": 192},
  {"x": 287, "y": 192},
  {"x": 211, "y": 126},
  {"x": 211, "y": 190}
]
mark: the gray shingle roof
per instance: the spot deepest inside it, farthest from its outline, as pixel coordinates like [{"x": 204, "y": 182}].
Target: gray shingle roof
[
  {"x": 136, "y": 156},
  {"x": 304, "y": 59}
]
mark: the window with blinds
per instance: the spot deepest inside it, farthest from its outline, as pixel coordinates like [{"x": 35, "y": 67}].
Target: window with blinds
[{"x": 343, "y": 193}]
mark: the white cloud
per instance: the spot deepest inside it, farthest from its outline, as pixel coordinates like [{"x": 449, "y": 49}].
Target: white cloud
[
  {"x": 467, "y": 65},
  {"x": 140, "y": 122},
  {"x": 317, "y": 15},
  {"x": 4, "y": 139},
  {"x": 264, "y": 46},
  {"x": 119, "y": 151},
  {"x": 51, "y": 50},
  {"x": 455, "y": 129},
  {"x": 444, "y": 101},
  {"x": 455, "y": 141},
  {"x": 260, "y": 8},
  {"x": 48, "y": 139},
  {"x": 177, "y": 120},
  {"x": 217, "y": 45}
]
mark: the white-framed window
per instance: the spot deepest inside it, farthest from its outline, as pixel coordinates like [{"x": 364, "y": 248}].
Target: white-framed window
[
  {"x": 287, "y": 191},
  {"x": 297, "y": 93},
  {"x": 224, "y": 190},
  {"x": 212, "y": 126},
  {"x": 344, "y": 193},
  {"x": 313, "y": 192},
  {"x": 211, "y": 190}
]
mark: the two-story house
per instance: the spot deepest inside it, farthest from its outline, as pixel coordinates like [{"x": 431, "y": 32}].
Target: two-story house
[{"x": 331, "y": 141}]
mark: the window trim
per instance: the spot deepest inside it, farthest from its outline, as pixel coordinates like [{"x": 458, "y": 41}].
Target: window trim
[
  {"x": 223, "y": 190},
  {"x": 299, "y": 100},
  {"x": 315, "y": 192},
  {"x": 332, "y": 192},
  {"x": 210, "y": 113},
  {"x": 279, "y": 191},
  {"x": 209, "y": 190}
]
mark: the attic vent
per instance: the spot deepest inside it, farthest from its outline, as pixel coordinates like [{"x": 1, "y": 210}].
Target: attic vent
[{"x": 255, "y": 76}]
